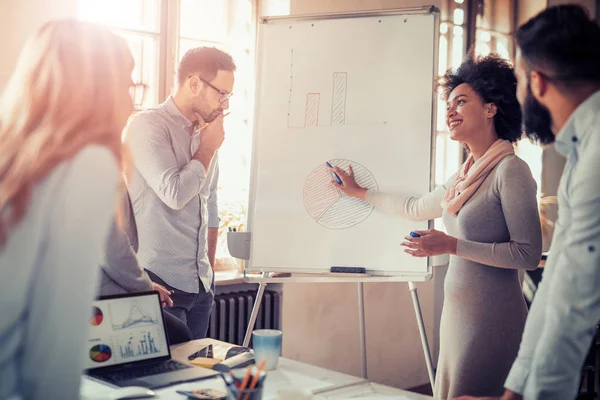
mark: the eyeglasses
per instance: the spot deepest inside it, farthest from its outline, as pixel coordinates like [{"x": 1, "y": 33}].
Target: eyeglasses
[
  {"x": 137, "y": 91},
  {"x": 224, "y": 95}
]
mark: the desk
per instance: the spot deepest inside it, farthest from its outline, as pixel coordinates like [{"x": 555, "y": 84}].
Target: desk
[{"x": 321, "y": 383}]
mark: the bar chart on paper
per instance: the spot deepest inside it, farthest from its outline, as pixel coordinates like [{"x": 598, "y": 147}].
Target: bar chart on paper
[{"x": 328, "y": 206}]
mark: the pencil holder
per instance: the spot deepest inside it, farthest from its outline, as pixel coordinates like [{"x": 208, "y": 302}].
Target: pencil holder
[{"x": 234, "y": 393}]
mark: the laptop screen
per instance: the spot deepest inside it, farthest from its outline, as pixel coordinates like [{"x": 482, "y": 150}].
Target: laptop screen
[{"x": 125, "y": 329}]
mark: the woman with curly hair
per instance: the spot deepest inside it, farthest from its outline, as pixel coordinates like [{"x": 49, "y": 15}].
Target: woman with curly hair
[
  {"x": 490, "y": 211},
  {"x": 61, "y": 118}
]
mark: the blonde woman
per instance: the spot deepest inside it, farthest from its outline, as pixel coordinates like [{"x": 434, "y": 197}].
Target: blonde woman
[{"x": 61, "y": 118}]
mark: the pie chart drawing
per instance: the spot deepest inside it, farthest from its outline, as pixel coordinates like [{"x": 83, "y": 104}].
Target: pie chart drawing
[
  {"x": 100, "y": 353},
  {"x": 328, "y": 206},
  {"x": 97, "y": 316}
]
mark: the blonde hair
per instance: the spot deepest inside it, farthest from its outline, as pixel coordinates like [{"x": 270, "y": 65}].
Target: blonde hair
[{"x": 61, "y": 98}]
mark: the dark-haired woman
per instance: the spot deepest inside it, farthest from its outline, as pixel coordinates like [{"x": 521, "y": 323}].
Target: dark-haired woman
[{"x": 490, "y": 211}]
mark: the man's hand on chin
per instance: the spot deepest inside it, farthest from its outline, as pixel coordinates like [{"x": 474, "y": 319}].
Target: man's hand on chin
[{"x": 508, "y": 395}]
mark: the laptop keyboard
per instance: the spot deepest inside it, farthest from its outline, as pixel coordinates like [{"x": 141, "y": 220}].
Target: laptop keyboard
[{"x": 142, "y": 371}]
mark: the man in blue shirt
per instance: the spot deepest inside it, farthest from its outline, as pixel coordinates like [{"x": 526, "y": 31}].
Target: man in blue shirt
[
  {"x": 173, "y": 183},
  {"x": 558, "y": 73}
]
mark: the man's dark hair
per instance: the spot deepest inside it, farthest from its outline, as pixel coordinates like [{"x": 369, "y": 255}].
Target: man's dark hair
[
  {"x": 205, "y": 62},
  {"x": 562, "y": 43},
  {"x": 493, "y": 79}
]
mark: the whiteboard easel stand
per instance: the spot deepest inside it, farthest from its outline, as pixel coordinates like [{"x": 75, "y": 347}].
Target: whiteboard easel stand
[
  {"x": 239, "y": 247},
  {"x": 242, "y": 239},
  {"x": 267, "y": 277}
]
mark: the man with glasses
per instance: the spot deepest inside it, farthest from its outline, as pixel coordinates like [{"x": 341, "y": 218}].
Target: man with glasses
[{"x": 173, "y": 183}]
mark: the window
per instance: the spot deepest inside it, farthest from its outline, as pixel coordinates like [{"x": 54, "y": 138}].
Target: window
[
  {"x": 494, "y": 25},
  {"x": 448, "y": 153},
  {"x": 229, "y": 26},
  {"x": 159, "y": 33},
  {"x": 138, "y": 21}
]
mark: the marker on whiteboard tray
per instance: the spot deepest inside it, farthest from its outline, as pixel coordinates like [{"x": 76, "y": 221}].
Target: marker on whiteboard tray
[
  {"x": 414, "y": 234},
  {"x": 335, "y": 176},
  {"x": 348, "y": 270}
]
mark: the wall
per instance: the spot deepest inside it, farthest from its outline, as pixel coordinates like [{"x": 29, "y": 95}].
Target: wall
[
  {"x": 529, "y": 8},
  {"x": 320, "y": 324},
  {"x": 19, "y": 19},
  {"x": 589, "y": 4},
  {"x": 269, "y": 8}
]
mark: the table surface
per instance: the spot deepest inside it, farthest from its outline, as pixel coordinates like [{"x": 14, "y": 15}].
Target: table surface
[{"x": 308, "y": 381}]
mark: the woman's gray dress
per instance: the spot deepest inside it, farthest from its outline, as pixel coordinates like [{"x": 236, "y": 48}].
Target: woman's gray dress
[{"x": 484, "y": 311}]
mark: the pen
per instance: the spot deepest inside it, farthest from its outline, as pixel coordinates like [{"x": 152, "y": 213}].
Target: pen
[
  {"x": 335, "y": 176},
  {"x": 208, "y": 123},
  {"x": 414, "y": 234}
]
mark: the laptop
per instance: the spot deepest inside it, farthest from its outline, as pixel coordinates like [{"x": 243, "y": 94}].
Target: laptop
[{"x": 128, "y": 344}]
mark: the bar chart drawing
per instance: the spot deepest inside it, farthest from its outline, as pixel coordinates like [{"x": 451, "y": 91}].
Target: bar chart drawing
[
  {"x": 311, "y": 115},
  {"x": 137, "y": 348},
  {"x": 338, "y": 104},
  {"x": 328, "y": 206},
  {"x": 308, "y": 106}
]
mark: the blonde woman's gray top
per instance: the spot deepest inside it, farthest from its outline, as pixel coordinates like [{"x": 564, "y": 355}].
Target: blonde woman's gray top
[{"x": 49, "y": 268}]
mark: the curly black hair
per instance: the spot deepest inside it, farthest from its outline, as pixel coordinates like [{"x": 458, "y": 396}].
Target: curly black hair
[{"x": 493, "y": 79}]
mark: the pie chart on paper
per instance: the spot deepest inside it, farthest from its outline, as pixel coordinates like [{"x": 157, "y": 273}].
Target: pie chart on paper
[
  {"x": 97, "y": 316},
  {"x": 100, "y": 353},
  {"x": 328, "y": 206}
]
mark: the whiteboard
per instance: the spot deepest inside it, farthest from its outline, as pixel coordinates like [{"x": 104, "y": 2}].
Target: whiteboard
[{"x": 352, "y": 90}]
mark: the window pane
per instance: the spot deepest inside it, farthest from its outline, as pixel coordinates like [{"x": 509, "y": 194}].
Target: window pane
[
  {"x": 453, "y": 157},
  {"x": 459, "y": 16},
  {"x": 145, "y": 54},
  {"x": 447, "y": 157},
  {"x": 482, "y": 49},
  {"x": 443, "y": 57},
  {"x": 441, "y": 112},
  {"x": 532, "y": 154},
  {"x": 139, "y": 15},
  {"x": 502, "y": 46},
  {"x": 440, "y": 155},
  {"x": 204, "y": 20},
  {"x": 457, "y": 47}
]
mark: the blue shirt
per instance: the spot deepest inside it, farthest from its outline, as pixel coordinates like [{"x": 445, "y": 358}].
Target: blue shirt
[
  {"x": 566, "y": 308},
  {"x": 174, "y": 198}
]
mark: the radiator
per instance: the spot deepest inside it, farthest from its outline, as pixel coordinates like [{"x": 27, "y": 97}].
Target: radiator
[{"x": 231, "y": 314}]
